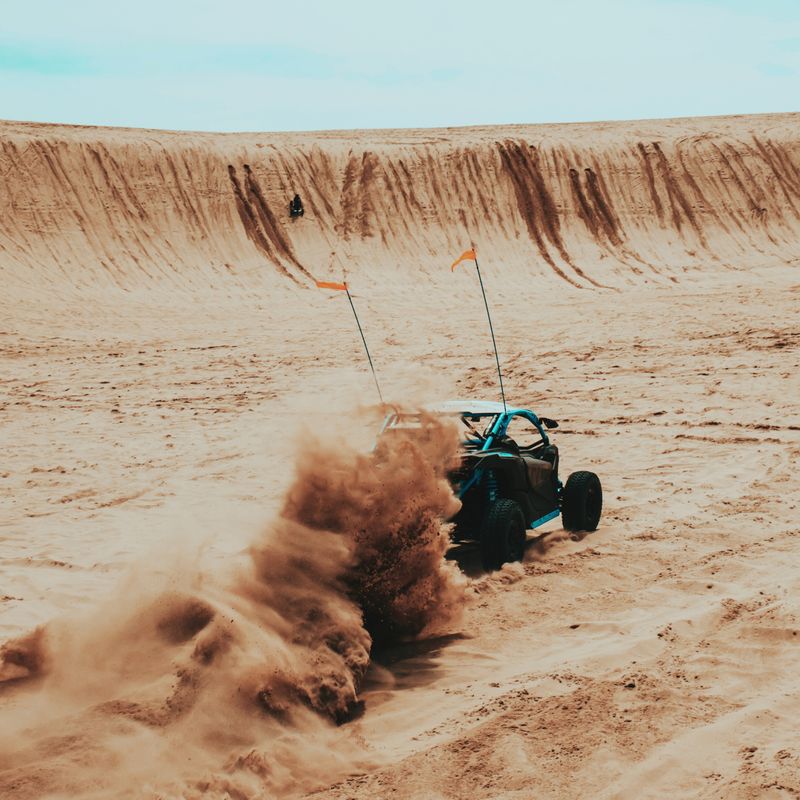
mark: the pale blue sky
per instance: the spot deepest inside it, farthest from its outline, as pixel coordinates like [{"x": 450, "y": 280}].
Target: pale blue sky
[{"x": 247, "y": 65}]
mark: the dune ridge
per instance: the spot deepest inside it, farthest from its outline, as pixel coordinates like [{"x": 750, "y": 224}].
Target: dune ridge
[{"x": 608, "y": 204}]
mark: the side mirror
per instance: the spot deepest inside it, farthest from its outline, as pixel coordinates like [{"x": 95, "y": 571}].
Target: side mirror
[{"x": 548, "y": 423}]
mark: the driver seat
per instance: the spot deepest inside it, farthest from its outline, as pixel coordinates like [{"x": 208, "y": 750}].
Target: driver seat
[{"x": 539, "y": 471}]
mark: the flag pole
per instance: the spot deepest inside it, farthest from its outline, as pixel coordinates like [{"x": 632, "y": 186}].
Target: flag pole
[
  {"x": 472, "y": 255},
  {"x": 491, "y": 330},
  {"x": 366, "y": 349},
  {"x": 343, "y": 287}
]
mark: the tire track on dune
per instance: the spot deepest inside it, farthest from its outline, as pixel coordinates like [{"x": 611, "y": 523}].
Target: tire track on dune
[
  {"x": 384, "y": 203},
  {"x": 566, "y": 159},
  {"x": 366, "y": 190},
  {"x": 17, "y": 163},
  {"x": 651, "y": 182},
  {"x": 486, "y": 167},
  {"x": 117, "y": 178},
  {"x": 315, "y": 175},
  {"x": 759, "y": 198},
  {"x": 475, "y": 202},
  {"x": 605, "y": 233},
  {"x": 215, "y": 213},
  {"x": 466, "y": 193},
  {"x": 173, "y": 254},
  {"x": 515, "y": 165},
  {"x": 399, "y": 192},
  {"x": 21, "y": 251},
  {"x": 301, "y": 178},
  {"x": 249, "y": 220},
  {"x": 204, "y": 220},
  {"x": 705, "y": 208},
  {"x": 260, "y": 224},
  {"x": 348, "y": 201},
  {"x": 282, "y": 170},
  {"x": 608, "y": 219},
  {"x": 187, "y": 205},
  {"x": 269, "y": 222},
  {"x": 774, "y": 217},
  {"x": 140, "y": 222},
  {"x": 789, "y": 171},
  {"x": 320, "y": 171},
  {"x": 50, "y": 155},
  {"x": 679, "y": 203},
  {"x": 725, "y": 176},
  {"x": 41, "y": 214},
  {"x": 474, "y": 176},
  {"x": 416, "y": 215},
  {"x": 608, "y": 169},
  {"x": 703, "y": 204},
  {"x": 357, "y": 195},
  {"x": 537, "y": 207},
  {"x": 84, "y": 207},
  {"x": 751, "y": 204},
  {"x": 585, "y": 212},
  {"x": 727, "y": 202},
  {"x": 414, "y": 206},
  {"x": 438, "y": 193},
  {"x": 397, "y": 205},
  {"x": 120, "y": 206},
  {"x": 780, "y": 177}
]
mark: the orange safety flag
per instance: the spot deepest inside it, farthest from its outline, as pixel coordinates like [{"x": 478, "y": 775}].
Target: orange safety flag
[
  {"x": 467, "y": 255},
  {"x": 339, "y": 287}
]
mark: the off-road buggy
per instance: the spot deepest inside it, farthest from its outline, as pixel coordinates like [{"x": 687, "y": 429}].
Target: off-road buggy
[{"x": 507, "y": 480}]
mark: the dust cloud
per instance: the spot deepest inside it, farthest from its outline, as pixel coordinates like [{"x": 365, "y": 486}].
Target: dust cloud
[{"x": 205, "y": 685}]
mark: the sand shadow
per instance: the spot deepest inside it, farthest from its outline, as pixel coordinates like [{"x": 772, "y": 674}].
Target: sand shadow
[
  {"x": 468, "y": 556},
  {"x": 407, "y": 665}
]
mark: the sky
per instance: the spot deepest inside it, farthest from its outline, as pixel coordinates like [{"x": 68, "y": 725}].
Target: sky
[{"x": 242, "y": 65}]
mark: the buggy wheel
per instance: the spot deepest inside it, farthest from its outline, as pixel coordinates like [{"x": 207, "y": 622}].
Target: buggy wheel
[
  {"x": 582, "y": 502},
  {"x": 503, "y": 536}
]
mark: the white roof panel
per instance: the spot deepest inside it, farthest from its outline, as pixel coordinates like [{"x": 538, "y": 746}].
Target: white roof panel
[{"x": 468, "y": 407}]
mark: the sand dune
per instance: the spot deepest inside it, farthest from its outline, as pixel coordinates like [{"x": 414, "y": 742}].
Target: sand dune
[
  {"x": 591, "y": 205},
  {"x": 168, "y": 374}
]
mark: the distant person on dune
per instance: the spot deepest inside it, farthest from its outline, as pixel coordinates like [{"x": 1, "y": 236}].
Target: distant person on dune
[{"x": 296, "y": 207}]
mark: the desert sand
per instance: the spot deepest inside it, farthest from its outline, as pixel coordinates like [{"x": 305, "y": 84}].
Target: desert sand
[{"x": 190, "y": 521}]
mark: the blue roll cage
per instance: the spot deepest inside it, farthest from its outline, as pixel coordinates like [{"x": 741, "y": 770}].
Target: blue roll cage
[
  {"x": 502, "y": 422},
  {"x": 498, "y": 429}
]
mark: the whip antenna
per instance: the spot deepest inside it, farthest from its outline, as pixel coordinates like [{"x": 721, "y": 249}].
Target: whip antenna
[
  {"x": 342, "y": 287},
  {"x": 472, "y": 255}
]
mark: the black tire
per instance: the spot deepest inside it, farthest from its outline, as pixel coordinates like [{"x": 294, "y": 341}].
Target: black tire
[
  {"x": 582, "y": 502},
  {"x": 503, "y": 535}
]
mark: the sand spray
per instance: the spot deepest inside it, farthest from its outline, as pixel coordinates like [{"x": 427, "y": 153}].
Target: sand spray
[{"x": 197, "y": 684}]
